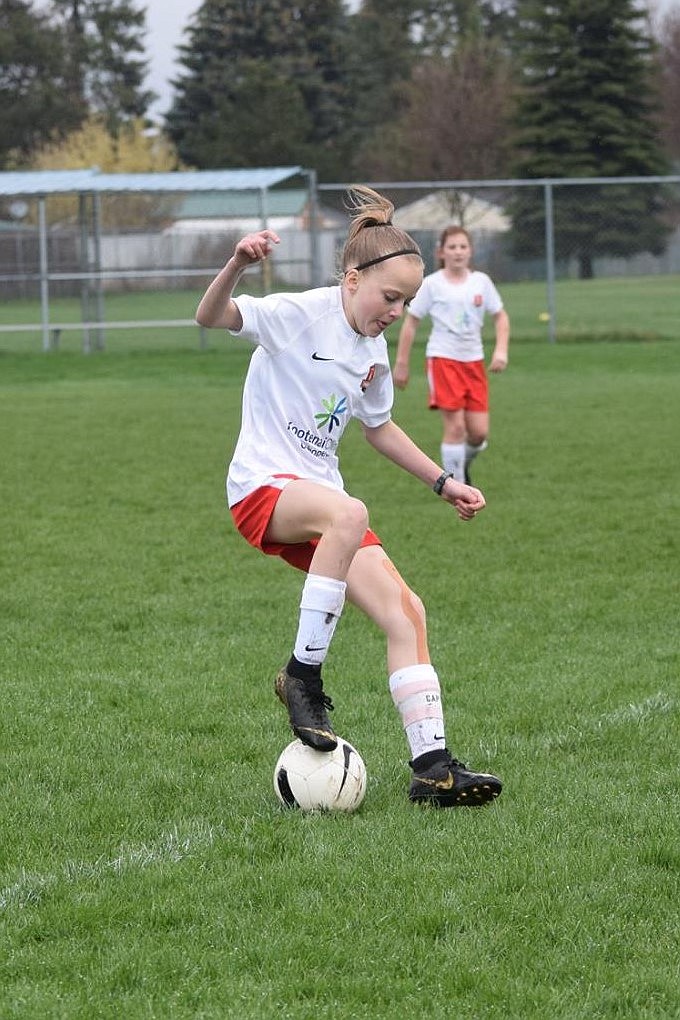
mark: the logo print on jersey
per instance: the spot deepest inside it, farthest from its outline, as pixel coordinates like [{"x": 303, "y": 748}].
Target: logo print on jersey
[
  {"x": 370, "y": 376},
  {"x": 334, "y": 407},
  {"x": 461, "y": 320}
]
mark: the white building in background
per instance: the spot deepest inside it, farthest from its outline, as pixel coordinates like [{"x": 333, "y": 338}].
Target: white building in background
[
  {"x": 438, "y": 209},
  {"x": 205, "y": 220}
]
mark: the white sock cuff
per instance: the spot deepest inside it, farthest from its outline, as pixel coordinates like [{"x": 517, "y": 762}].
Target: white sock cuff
[
  {"x": 472, "y": 451},
  {"x": 452, "y": 449},
  {"x": 324, "y": 594},
  {"x": 453, "y": 459},
  {"x": 420, "y": 673}
]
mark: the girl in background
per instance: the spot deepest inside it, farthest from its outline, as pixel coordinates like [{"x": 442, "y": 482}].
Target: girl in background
[{"x": 456, "y": 298}]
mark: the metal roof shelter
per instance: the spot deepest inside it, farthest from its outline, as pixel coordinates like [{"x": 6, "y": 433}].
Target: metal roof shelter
[
  {"x": 90, "y": 184},
  {"x": 66, "y": 182},
  {"x": 16, "y": 184}
]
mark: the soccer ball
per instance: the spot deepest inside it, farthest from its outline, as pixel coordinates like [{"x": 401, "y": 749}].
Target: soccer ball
[{"x": 320, "y": 780}]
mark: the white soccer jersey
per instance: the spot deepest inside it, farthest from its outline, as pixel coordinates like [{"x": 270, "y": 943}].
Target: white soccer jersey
[
  {"x": 457, "y": 313},
  {"x": 309, "y": 375}
]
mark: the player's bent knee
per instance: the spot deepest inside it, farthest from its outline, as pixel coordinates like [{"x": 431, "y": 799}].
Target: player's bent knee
[
  {"x": 352, "y": 516},
  {"x": 415, "y": 608},
  {"x": 409, "y": 608}
]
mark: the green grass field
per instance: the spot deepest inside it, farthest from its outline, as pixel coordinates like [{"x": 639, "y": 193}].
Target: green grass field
[{"x": 147, "y": 870}]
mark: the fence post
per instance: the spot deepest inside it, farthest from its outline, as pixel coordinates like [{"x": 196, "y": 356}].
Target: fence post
[
  {"x": 550, "y": 261},
  {"x": 85, "y": 304},
  {"x": 97, "y": 246},
  {"x": 44, "y": 284},
  {"x": 265, "y": 264},
  {"x": 316, "y": 274}
]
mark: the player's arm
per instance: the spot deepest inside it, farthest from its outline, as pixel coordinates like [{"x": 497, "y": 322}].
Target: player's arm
[
  {"x": 394, "y": 444},
  {"x": 217, "y": 309},
  {"x": 499, "y": 358},
  {"x": 407, "y": 335}
]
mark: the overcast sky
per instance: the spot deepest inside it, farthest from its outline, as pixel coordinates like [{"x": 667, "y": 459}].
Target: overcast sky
[{"x": 166, "y": 21}]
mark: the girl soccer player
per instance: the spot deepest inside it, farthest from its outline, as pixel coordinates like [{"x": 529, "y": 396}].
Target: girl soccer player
[
  {"x": 321, "y": 359},
  {"x": 456, "y": 299}
]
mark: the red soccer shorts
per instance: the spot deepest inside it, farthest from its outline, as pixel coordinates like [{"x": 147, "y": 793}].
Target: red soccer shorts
[
  {"x": 457, "y": 385},
  {"x": 251, "y": 516}
]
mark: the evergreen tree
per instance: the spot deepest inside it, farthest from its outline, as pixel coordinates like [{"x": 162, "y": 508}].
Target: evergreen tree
[
  {"x": 263, "y": 83},
  {"x": 105, "y": 66},
  {"x": 34, "y": 102},
  {"x": 326, "y": 90},
  {"x": 587, "y": 109},
  {"x": 442, "y": 25},
  {"x": 383, "y": 52}
]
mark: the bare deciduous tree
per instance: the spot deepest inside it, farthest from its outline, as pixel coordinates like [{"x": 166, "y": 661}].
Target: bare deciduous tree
[
  {"x": 455, "y": 118},
  {"x": 669, "y": 56}
]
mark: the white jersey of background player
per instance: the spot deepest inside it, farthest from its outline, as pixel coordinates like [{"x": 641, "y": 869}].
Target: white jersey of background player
[{"x": 457, "y": 312}]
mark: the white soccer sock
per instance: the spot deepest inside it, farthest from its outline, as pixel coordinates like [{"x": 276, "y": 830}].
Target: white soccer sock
[
  {"x": 453, "y": 459},
  {"x": 472, "y": 451},
  {"x": 320, "y": 609},
  {"x": 416, "y": 693}
]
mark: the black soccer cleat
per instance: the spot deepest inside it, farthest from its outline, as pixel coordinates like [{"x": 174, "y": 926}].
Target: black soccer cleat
[
  {"x": 440, "y": 780},
  {"x": 308, "y": 709}
]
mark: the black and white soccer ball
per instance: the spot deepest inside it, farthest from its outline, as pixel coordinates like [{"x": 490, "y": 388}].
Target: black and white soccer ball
[{"x": 320, "y": 780}]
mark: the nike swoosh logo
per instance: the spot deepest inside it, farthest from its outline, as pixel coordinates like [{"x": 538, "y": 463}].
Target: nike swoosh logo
[
  {"x": 439, "y": 784},
  {"x": 317, "y": 357},
  {"x": 308, "y": 648}
]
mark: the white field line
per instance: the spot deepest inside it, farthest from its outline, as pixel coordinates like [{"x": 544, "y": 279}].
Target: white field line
[
  {"x": 170, "y": 847},
  {"x": 177, "y": 844},
  {"x": 655, "y": 705}
]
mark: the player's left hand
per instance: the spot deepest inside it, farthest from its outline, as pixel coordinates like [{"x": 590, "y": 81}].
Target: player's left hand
[
  {"x": 498, "y": 363},
  {"x": 465, "y": 499}
]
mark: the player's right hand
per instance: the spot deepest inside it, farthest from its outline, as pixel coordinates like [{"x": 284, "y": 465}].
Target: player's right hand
[{"x": 256, "y": 247}]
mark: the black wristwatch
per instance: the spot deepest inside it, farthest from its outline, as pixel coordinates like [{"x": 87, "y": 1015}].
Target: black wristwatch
[{"x": 439, "y": 484}]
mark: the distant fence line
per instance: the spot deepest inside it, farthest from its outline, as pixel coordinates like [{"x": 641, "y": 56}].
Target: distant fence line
[{"x": 61, "y": 261}]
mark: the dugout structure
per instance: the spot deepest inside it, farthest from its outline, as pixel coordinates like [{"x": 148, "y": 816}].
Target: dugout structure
[{"x": 27, "y": 193}]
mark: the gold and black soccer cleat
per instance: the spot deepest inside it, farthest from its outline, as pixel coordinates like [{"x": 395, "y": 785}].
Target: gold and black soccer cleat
[
  {"x": 440, "y": 780},
  {"x": 308, "y": 709}
]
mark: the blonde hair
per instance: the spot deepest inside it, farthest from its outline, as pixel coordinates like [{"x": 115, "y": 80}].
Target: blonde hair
[{"x": 372, "y": 236}]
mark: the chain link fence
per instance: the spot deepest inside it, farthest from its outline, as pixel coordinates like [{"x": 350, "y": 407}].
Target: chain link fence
[
  {"x": 559, "y": 236},
  {"x": 547, "y": 245}
]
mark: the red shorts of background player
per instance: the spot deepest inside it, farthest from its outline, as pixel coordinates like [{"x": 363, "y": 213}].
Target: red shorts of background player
[
  {"x": 457, "y": 385},
  {"x": 252, "y": 514}
]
